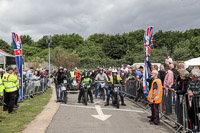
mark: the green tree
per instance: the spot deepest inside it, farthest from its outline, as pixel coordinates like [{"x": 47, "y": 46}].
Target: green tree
[
  {"x": 6, "y": 47},
  {"x": 26, "y": 39}
]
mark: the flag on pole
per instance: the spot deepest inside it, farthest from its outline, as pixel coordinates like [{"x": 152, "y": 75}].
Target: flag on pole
[
  {"x": 148, "y": 44},
  {"x": 18, "y": 57}
]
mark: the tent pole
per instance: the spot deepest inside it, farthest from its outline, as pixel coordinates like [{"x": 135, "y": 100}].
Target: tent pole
[{"x": 4, "y": 63}]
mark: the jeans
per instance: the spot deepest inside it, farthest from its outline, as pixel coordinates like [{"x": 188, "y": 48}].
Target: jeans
[
  {"x": 108, "y": 91},
  {"x": 59, "y": 91},
  {"x": 168, "y": 103},
  {"x": 97, "y": 89}
]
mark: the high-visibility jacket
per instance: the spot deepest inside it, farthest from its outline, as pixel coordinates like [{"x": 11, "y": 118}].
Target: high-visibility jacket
[
  {"x": 5, "y": 74},
  {"x": 1, "y": 87},
  {"x": 9, "y": 81},
  {"x": 72, "y": 74},
  {"x": 118, "y": 79},
  {"x": 17, "y": 83},
  {"x": 157, "y": 97},
  {"x": 87, "y": 80}
]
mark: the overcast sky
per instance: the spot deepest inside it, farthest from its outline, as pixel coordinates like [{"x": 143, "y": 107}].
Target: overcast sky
[{"x": 85, "y": 17}]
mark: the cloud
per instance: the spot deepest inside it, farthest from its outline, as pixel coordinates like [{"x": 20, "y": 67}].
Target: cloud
[{"x": 85, "y": 17}]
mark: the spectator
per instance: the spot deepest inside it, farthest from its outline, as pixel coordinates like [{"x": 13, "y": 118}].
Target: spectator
[
  {"x": 194, "y": 92},
  {"x": 180, "y": 91},
  {"x": 141, "y": 69},
  {"x": 162, "y": 73},
  {"x": 24, "y": 76},
  {"x": 168, "y": 60},
  {"x": 168, "y": 82},
  {"x": 30, "y": 74},
  {"x": 137, "y": 74}
]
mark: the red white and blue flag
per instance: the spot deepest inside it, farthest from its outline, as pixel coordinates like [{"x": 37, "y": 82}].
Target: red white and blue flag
[
  {"x": 18, "y": 58},
  {"x": 148, "y": 45}
]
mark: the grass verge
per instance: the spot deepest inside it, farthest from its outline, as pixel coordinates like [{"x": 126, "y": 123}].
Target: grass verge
[{"x": 27, "y": 111}]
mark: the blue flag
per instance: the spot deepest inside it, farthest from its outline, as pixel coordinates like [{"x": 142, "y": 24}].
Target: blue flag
[{"x": 18, "y": 57}]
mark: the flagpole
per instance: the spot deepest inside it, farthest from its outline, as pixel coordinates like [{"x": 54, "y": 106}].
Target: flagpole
[{"x": 49, "y": 40}]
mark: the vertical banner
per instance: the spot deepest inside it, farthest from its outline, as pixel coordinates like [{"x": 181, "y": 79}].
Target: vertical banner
[
  {"x": 18, "y": 57},
  {"x": 148, "y": 44}
]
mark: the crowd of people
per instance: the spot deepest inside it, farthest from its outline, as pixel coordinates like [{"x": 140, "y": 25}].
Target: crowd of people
[
  {"x": 168, "y": 84},
  {"x": 9, "y": 85}
]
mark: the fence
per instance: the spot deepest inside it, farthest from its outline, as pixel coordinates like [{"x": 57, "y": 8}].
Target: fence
[
  {"x": 33, "y": 87},
  {"x": 179, "y": 105}
]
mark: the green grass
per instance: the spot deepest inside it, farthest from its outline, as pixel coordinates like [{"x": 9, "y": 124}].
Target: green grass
[{"x": 27, "y": 111}]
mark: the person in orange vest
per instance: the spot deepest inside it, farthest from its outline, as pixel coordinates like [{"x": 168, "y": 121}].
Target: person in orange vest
[
  {"x": 155, "y": 97},
  {"x": 78, "y": 75}
]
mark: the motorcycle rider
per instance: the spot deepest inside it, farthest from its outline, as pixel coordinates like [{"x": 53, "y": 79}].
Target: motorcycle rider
[
  {"x": 86, "y": 79},
  {"x": 102, "y": 77},
  {"x": 114, "y": 79},
  {"x": 59, "y": 80}
]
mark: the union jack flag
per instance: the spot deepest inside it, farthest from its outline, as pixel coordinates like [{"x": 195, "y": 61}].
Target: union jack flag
[
  {"x": 148, "y": 44},
  {"x": 17, "y": 45}
]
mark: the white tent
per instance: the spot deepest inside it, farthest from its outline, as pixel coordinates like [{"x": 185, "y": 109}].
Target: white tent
[
  {"x": 6, "y": 58},
  {"x": 192, "y": 62}
]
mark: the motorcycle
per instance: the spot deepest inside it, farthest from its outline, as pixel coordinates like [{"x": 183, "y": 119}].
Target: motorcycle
[
  {"x": 115, "y": 95},
  {"x": 64, "y": 97},
  {"x": 101, "y": 89},
  {"x": 85, "y": 95}
]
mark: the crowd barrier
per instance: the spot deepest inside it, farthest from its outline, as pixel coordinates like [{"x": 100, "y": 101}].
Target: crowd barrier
[
  {"x": 33, "y": 87},
  {"x": 178, "y": 105}
]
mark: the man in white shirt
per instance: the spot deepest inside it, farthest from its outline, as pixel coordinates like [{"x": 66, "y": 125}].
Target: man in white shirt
[{"x": 168, "y": 60}]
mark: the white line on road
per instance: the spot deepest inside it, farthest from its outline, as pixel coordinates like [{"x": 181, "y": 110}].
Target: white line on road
[
  {"x": 100, "y": 115},
  {"x": 112, "y": 109}
]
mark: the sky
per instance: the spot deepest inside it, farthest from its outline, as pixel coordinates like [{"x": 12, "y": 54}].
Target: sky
[{"x": 86, "y": 17}]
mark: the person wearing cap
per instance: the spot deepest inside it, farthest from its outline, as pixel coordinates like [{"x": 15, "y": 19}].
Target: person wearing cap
[
  {"x": 114, "y": 79},
  {"x": 1, "y": 72},
  {"x": 9, "y": 81}
]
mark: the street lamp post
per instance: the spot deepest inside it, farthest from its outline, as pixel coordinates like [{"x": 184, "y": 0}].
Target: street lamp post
[{"x": 49, "y": 40}]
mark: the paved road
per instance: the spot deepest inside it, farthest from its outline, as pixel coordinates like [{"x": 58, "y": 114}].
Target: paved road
[{"x": 77, "y": 118}]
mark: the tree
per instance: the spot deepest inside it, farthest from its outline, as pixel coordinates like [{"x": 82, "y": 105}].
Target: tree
[
  {"x": 6, "y": 47},
  {"x": 60, "y": 57},
  {"x": 26, "y": 39},
  {"x": 115, "y": 47}
]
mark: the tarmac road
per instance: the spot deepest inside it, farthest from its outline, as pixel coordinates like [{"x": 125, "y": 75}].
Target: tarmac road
[{"x": 75, "y": 117}]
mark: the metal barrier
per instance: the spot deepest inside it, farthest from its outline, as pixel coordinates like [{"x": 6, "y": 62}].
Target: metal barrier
[
  {"x": 179, "y": 113},
  {"x": 34, "y": 87}
]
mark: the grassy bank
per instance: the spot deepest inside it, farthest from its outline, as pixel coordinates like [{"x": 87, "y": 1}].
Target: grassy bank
[{"x": 28, "y": 110}]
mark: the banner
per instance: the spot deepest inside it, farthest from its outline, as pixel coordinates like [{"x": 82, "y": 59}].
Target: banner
[
  {"x": 18, "y": 57},
  {"x": 148, "y": 44}
]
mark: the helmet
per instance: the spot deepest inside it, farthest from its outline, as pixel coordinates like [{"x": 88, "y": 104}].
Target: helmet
[
  {"x": 100, "y": 69},
  {"x": 60, "y": 68}
]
